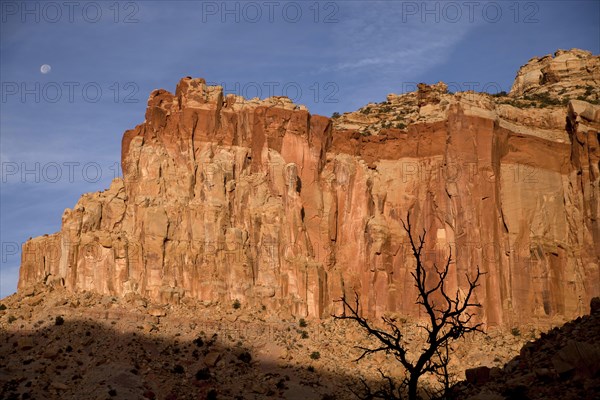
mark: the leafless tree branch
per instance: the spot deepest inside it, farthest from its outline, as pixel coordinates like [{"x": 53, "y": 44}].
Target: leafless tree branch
[{"x": 446, "y": 322}]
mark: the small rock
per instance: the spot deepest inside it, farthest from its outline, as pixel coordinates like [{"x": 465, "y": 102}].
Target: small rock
[
  {"x": 140, "y": 303},
  {"x": 35, "y": 301},
  {"x": 212, "y": 358},
  {"x": 544, "y": 374},
  {"x": 107, "y": 300},
  {"x": 478, "y": 376},
  {"x": 51, "y": 353},
  {"x": 59, "y": 386},
  {"x": 60, "y": 302},
  {"x": 579, "y": 356},
  {"x": 150, "y": 327},
  {"x": 495, "y": 373},
  {"x": 25, "y": 343},
  {"x": 157, "y": 312},
  {"x": 512, "y": 365}
]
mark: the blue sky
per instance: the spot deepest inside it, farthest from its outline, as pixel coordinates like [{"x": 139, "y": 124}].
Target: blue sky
[{"x": 60, "y": 132}]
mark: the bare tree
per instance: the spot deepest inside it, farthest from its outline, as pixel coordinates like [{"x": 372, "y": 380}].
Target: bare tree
[{"x": 448, "y": 320}]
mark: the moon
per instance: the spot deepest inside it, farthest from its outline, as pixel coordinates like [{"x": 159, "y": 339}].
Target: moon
[{"x": 44, "y": 69}]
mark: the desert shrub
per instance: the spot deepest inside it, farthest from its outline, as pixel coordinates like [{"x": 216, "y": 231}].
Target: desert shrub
[
  {"x": 245, "y": 357},
  {"x": 202, "y": 374},
  {"x": 178, "y": 369},
  {"x": 59, "y": 320},
  {"x": 543, "y": 99},
  {"x": 199, "y": 342},
  {"x": 315, "y": 355},
  {"x": 236, "y": 304},
  {"x": 302, "y": 323},
  {"x": 515, "y": 331}
]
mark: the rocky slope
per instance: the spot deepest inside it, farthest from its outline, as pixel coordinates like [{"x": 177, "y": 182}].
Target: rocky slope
[
  {"x": 224, "y": 198},
  {"x": 57, "y": 344},
  {"x": 562, "y": 363}
]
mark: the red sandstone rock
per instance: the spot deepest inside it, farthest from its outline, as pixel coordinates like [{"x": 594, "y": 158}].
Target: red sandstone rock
[{"x": 225, "y": 198}]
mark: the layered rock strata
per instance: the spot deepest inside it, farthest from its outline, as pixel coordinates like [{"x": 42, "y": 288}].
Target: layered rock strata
[{"x": 224, "y": 198}]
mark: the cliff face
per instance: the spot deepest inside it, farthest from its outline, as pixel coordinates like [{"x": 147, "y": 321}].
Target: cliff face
[
  {"x": 566, "y": 74},
  {"x": 224, "y": 198}
]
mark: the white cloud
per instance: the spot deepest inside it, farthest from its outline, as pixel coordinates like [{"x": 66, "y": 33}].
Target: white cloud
[{"x": 375, "y": 40}]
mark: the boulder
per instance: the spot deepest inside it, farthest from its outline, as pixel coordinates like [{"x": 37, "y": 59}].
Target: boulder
[{"x": 478, "y": 376}]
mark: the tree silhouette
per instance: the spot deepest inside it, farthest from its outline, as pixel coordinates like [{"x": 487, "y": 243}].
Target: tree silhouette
[{"x": 447, "y": 321}]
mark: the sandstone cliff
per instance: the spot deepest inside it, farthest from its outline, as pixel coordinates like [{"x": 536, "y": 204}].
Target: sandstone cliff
[
  {"x": 224, "y": 198},
  {"x": 567, "y": 74}
]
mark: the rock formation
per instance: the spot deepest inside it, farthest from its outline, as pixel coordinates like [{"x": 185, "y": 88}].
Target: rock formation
[
  {"x": 567, "y": 74},
  {"x": 225, "y": 198},
  {"x": 564, "y": 360}
]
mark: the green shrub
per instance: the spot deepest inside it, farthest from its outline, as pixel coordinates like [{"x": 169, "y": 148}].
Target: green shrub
[
  {"x": 544, "y": 99},
  {"x": 335, "y": 115},
  {"x": 302, "y": 323},
  {"x": 315, "y": 355},
  {"x": 59, "y": 320},
  {"x": 515, "y": 332},
  {"x": 236, "y": 304},
  {"x": 11, "y": 319},
  {"x": 2, "y": 307}
]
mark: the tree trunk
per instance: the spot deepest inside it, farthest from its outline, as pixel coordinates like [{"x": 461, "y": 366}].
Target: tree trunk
[{"x": 412, "y": 386}]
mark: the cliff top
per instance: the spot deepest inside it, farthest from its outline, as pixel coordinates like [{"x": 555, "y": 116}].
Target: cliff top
[
  {"x": 548, "y": 81},
  {"x": 573, "y": 74}
]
